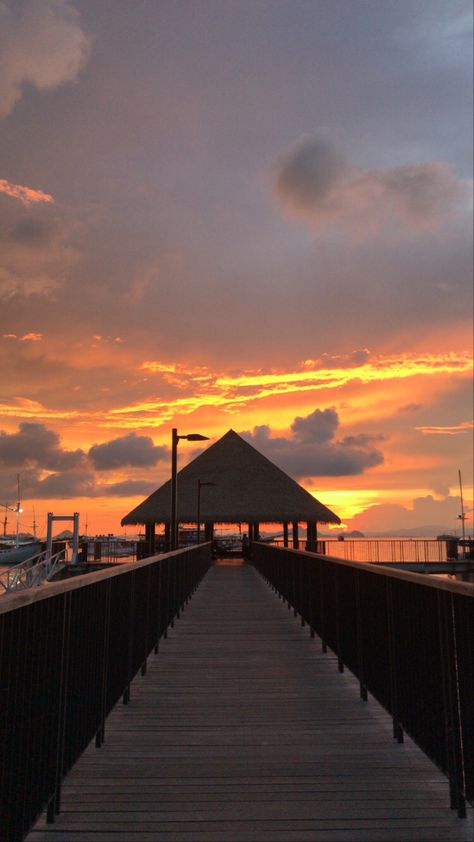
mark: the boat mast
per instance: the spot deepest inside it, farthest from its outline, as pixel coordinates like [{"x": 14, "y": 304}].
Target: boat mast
[
  {"x": 462, "y": 516},
  {"x": 18, "y": 510}
]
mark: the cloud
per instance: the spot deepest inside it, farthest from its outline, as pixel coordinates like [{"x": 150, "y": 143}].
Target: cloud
[
  {"x": 66, "y": 485},
  {"x": 410, "y": 407},
  {"x": 26, "y": 195},
  {"x": 50, "y": 471},
  {"x": 128, "y": 488},
  {"x": 41, "y": 44},
  {"x": 425, "y": 511},
  {"x": 31, "y": 337},
  {"x": 313, "y": 451},
  {"x": 35, "y": 445},
  {"x": 35, "y": 250},
  {"x": 447, "y": 430},
  {"x": 318, "y": 427},
  {"x": 314, "y": 181},
  {"x": 137, "y": 451}
]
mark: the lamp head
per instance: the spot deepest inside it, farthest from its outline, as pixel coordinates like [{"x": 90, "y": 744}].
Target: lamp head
[{"x": 195, "y": 437}]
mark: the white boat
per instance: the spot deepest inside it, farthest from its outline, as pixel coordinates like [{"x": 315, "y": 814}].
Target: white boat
[{"x": 15, "y": 554}]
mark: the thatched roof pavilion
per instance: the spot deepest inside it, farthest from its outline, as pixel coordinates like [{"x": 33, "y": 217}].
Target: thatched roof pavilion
[{"x": 248, "y": 489}]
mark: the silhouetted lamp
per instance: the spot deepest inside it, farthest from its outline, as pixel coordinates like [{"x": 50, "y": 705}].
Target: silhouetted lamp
[{"x": 174, "y": 485}]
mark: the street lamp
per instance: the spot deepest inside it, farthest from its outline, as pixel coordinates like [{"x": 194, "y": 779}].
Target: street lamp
[
  {"x": 174, "y": 485},
  {"x": 200, "y": 485}
]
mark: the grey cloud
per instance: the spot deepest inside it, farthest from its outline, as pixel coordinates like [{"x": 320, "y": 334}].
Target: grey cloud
[
  {"x": 128, "y": 488},
  {"x": 32, "y": 231},
  {"x": 310, "y": 172},
  {"x": 36, "y": 252},
  {"x": 313, "y": 181},
  {"x": 318, "y": 427},
  {"x": 312, "y": 449},
  {"x": 61, "y": 484},
  {"x": 64, "y": 485},
  {"x": 131, "y": 449},
  {"x": 41, "y": 44},
  {"x": 34, "y": 444},
  {"x": 361, "y": 440}
]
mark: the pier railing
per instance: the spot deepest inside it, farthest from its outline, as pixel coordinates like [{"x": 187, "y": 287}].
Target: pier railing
[
  {"x": 407, "y": 637},
  {"x": 383, "y": 550},
  {"x": 68, "y": 653}
]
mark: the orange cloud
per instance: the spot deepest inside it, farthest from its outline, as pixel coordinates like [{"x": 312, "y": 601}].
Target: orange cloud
[
  {"x": 26, "y": 408},
  {"x": 31, "y": 337},
  {"x": 26, "y": 195},
  {"x": 231, "y": 393},
  {"x": 453, "y": 430}
]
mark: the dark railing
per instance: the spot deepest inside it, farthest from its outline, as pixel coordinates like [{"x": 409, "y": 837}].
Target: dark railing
[
  {"x": 382, "y": 550},
  {"x": 407, "y": 637},
  {"x": 68, "y": 652}
]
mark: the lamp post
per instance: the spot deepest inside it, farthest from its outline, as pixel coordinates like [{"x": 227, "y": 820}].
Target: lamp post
[
  {"x": 174, "y": 485},
  {"x": 200, "y": 485}
]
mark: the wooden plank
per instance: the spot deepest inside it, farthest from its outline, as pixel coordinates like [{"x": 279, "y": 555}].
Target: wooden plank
[{"x": 243, "y": 731}]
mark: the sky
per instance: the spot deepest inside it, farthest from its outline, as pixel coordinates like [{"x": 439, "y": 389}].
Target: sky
[{"x": 247, "y": 214}]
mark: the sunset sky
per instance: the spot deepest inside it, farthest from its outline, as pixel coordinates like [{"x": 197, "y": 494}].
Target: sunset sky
[{"x": 253, "y": 214}]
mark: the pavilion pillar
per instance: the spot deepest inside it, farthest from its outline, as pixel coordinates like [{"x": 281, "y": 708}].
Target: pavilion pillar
[
  {"x": 256, "y": 531},
  {"x": 167, "y": 537},
  {"x": 208, "y": 532},
  {"x": 150, "y": 538},
  {"x": 250, "y": 525},
  {"x": 311, "y": 533},
  {"x": 295, "y": 535},
  {"x": 285, "y": 534}
]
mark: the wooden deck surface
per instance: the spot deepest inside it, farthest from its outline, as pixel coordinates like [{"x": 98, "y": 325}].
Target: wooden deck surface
[{"x": 243, "y": 731}]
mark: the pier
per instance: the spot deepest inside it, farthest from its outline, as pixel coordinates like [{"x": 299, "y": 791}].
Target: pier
[{"x": 247, "y": 712}]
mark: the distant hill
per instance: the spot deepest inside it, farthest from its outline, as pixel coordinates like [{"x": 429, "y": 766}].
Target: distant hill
[
  {"x": 65, "y": 535},
  {"x": 427, "y": 531}
]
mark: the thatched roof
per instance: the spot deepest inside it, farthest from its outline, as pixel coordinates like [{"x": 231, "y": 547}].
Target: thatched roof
[{"x": 249, "y": 488}]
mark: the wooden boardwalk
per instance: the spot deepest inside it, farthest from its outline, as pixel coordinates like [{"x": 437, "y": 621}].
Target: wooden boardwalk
[{"x": 243, "y": 731}]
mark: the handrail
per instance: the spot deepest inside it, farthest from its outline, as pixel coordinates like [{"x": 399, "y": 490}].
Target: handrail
[
  {"x": 386, "y": 550},
  {"x": 407, "y": 637},
  {"x": 32, "y": 572},
  {"x": 69, "y": 652}
]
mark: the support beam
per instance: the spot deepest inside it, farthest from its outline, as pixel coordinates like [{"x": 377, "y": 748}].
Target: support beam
[
  {"x": 150, "y": 538},
  {"x": 311, "y": 536},
  {"x": 208, "y": 531},
  {"x": 295, "y": 535},
  {"x": 285, "y": 534}
]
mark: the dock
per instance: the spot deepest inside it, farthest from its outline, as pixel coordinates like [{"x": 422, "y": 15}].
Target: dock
[{"x": 243, "y": 730}]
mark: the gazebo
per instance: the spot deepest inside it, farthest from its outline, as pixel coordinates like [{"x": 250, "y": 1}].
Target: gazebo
[{"x": 243, "y": 486}]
